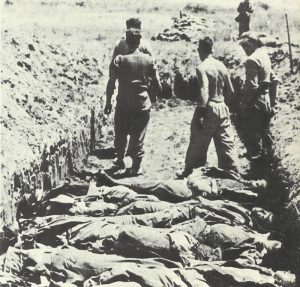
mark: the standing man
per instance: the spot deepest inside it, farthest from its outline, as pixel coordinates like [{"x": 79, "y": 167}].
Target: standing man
[
  {"x": 123, "y": 46},
  {"x": 135, "y": 72},
  {"x": 245, "y": 10},
  {"x": 211, "y": 117},
  {"x": 256, "y": 107}
]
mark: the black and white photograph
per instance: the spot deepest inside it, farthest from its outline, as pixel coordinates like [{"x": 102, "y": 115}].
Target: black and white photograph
[{"x": 150, "y": 143}]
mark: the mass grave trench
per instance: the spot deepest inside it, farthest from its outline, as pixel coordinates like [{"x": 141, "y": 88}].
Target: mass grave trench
[{"x": 281, "y": 169}]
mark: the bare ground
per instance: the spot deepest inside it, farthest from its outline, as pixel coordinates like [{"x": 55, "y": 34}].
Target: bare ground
[{"x": 166, "y": 142}]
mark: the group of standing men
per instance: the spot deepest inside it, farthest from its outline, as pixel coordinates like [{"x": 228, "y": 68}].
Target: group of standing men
[{"x": 134, "y": 67}]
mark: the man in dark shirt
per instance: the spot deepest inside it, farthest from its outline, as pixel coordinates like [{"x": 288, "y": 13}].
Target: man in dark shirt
[
  {"x": 134, "y": 71},
  {"x": 244, "y": 9}
]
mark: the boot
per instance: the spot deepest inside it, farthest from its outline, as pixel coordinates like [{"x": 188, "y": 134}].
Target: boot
[
  {"x": 136, "y": 164},
  {"x": 119, "y": 163},
  {"x": 103, "y": 178}
]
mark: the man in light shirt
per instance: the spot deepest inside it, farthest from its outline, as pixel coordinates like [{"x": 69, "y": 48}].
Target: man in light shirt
[
  {"x": 211, "y": 118},
  {"x": 256, "y": 106}
]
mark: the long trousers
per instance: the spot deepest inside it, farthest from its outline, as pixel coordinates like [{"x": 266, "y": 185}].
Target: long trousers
[
  {"x": 216, "y": 125},
  {"x": 169, "y": 190},
  {"x": 256, "y": 128},
  {"x": 134, "y": 125}
]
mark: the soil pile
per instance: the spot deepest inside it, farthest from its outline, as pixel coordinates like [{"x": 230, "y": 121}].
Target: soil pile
[{"x": 186, "y": 28}]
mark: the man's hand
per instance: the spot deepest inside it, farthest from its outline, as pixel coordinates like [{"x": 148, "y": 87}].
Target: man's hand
[
  {"x": 200, "y": 123},
  {"x": 107, "y": 109},
  {"x": 200, "y": 114}
]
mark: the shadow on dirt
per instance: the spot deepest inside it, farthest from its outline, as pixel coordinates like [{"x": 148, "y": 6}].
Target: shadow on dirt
[{"x": 106, "y": 153}]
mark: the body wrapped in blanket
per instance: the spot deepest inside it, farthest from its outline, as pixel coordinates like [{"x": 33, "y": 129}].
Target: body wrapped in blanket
[
  {"x": 72, "y": 267},
  {"x": 194, "y": 232}
]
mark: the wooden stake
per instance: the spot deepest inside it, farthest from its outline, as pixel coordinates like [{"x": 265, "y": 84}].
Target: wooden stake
[
  {"x": 92, "y": 132},
  {"x": 289, "y": 40}
]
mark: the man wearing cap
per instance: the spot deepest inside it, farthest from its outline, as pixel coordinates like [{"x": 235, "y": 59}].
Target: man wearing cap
[
  {"x": 135, "y": 71},
  {"x": 211, "y": 117},
  {"x": 133, "y": 25},
  {"x": 124, "y": 47},
  {"x": 256, "y": 107}
]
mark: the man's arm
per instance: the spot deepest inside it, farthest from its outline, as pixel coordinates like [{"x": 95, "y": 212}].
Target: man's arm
[
  {"x": 116, "y": 51},
  {"x": 251, "y": 82},
  {"x": 202, "y": 101},
  {"x": 252, "y": 86},
  {"x": 250, "y": 9},
  {"x": 228, "y": 88},
  {"x": 203, "y": 87},
  {"x": 155, "y": 89},
  {"x": 111, "y": 84},
  {"x": 146, "y": 48},
  {"x": 155, "y": 83}
]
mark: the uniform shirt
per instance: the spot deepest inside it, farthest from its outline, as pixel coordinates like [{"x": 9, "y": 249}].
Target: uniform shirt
[
  {"x": 122, "y": 48},
  {"x": 258, "y": 73},
  {"x": 214, "y": 82},
  {"x": 134, "y": 73}
]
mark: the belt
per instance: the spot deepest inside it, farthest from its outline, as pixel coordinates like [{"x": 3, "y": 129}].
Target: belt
[{"x": 217, "y": 100}]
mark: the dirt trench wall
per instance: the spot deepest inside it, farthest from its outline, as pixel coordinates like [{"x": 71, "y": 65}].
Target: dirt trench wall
[
  {"x": 54, "y": 166},
  {"x": 48, "y": 93}
]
